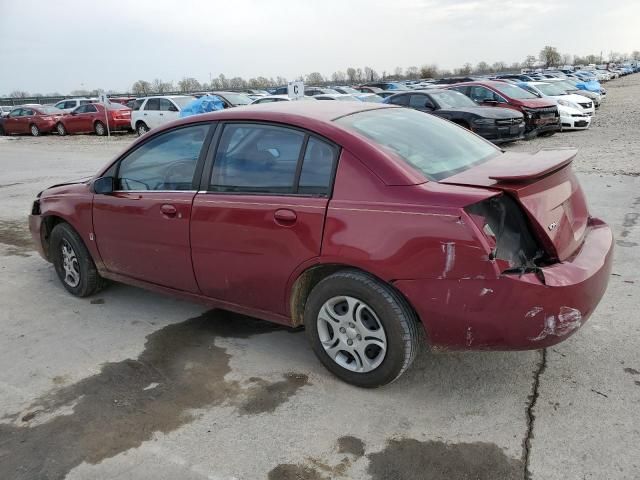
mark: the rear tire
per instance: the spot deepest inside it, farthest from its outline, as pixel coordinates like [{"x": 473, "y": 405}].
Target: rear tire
[
  {"x": 73, "y": 263},
  {"x": 100, "y": 129},
  {"x": 141, "y": 128},
  {"x": 35, "y": 131},
  {"x": 351, "y": 319},
  {"x": 61, "y": 130}
]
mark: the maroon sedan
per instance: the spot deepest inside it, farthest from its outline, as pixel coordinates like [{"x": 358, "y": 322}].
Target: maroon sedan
[
  {"x": 92, "y": 118},
  {"x": 33, "y": 120},
  {"x": 364, "y": 223}
]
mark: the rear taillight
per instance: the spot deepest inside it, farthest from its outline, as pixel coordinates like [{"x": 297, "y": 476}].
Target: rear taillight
[{"x": 508, "y": 234}]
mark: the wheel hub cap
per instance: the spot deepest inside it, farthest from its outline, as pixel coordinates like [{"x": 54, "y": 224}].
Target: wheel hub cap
[
  {"x": 70, "y": 265},
  {"x": 351, "y": 334}
]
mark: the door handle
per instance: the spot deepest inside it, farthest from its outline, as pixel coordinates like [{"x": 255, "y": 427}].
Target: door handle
[
  {"x": 168, "y": 210},
  {"x": 285, "y": 216},
  {"x": 162, "y": 114},
  {"x": 144, "y": 114}
]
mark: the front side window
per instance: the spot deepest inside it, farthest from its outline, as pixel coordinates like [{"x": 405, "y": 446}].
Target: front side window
[
  {"x": 400, "y": 100},
  {"x": 420, "y": 101},
  {"x": 437, "y": 148},
  {"x": 453, "y": 99},
  {"x": 256, "y": 158},
  {"x": 167, "y": 106},
  {"x": 90, "y": 108},
  {"x": 166, "y": 162}
]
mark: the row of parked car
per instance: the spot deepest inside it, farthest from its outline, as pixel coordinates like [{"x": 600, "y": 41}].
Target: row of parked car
[{"x": 501, "y": 108}]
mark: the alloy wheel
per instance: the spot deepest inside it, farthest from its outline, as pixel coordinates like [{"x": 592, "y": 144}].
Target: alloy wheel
[
  {"x": 351, "y": 334},
  {"x": 70, "y": 265}
]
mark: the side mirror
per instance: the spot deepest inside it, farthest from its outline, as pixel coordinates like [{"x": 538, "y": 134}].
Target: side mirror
[{"x": 104, "y": 185}]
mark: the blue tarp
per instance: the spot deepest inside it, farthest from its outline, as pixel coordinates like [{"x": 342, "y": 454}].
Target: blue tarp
[{"x": 204, "y": 104}]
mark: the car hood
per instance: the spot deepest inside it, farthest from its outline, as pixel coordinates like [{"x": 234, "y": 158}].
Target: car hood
[
  {"x": 486, "y": 112},
  {"x": 72, "y": 186},
  {"x": 538, "y": 102},
  {"x": 572, "y": 97}
]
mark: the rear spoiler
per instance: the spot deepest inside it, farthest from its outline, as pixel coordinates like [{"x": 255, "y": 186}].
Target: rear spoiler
[
  {"x": 520, "y": 167},
  {"x": 514, "y": 167}
]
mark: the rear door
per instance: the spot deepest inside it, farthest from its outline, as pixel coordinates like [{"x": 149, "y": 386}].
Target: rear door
[
  {"x": 151, "y": 112},
  {"x": 262, "y": 214},
  {"x": 142, "y": 228},
  {"x": 73, "y": 121}
]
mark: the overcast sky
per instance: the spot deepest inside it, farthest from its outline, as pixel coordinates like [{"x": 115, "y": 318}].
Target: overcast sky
[{"x": 64, "y": 45}]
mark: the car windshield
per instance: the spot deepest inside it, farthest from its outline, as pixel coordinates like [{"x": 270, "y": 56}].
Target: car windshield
[
  {"x": 514, "y": 92},
  {"x": 181, "y": 101},
  {"x": 453, "y": 99},
  {"x": 437, "y": 148},
  {"x": 566, "y": 85},
  {"x": 550, "y": 89},
  {"x": 238, "y": 98},
  {"x": 348, "y": 90}
]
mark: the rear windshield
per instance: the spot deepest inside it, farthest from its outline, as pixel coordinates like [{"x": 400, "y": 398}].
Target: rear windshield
[
  {"x": 434, "y": 146},
  {"x": 49, "y": 110}
]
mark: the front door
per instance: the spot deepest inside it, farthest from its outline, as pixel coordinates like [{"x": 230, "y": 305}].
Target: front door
[
  {"x": 142, "y": 229},
  {"x": 262, "y": 215},
  {"x": 15, "y": 122}
]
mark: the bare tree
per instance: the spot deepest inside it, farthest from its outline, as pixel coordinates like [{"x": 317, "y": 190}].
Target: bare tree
[
  {"x": 398, "y": 72},
  {"x": 635, "y": 55},
  {"x": 483, "y": 67},
  {"x": 141, "y": 87},
  {"x": 499, "y": 67},
  {"x": 429, "y": 71},
  {"x": 549, "y": 56},
  {"x": 413, "y": 73},
  {"x": 360, "y": 75},
  {"x": 530, "y": 61},
  {"x": 237, "y": 82},
  {"x": 351, "y": 74},
  {"x": 370, "y": 74},
  {"x": 567, "y": 59},
  {"x": 465, "y": 70},
  {"x": 339, "y": 77},
  {"x": 158, "y": 86},
  {"x": 222, "y": 82},
  {"x": 314, "y": 78},
  {"x": 189, "y": 84},
  {"x": 19, "y": 94}
]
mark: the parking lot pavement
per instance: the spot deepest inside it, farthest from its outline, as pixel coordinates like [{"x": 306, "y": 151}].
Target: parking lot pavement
[{"x": 130, "y": 384}]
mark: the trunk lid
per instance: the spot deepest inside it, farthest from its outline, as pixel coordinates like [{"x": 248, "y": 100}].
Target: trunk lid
[{"x": 546, "y": 188}]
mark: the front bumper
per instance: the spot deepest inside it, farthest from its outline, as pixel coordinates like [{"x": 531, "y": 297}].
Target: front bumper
[
  {"x": 515, "y": 312},
  {"x": 500, "y": 133},
  {"x": 570, "y": 122},
  {"x": 35, "y": 227}
]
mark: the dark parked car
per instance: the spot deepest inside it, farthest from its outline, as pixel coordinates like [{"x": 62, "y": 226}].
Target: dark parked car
[
  {"x": 33, "y": 120},
  {"x": 498, "y": 125},
  {"x": 363, "y": 222},
  {"x": 540, "y": 114}
]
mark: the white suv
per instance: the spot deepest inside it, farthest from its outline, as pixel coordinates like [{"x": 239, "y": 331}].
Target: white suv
[
  {"x": 71, "y": 103},
  {"x": 151, "y": 112}
]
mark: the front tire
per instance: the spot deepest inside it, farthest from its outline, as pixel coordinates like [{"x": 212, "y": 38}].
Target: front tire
[
  {"x": 61, "y": 130},
  {"x": 100, "y": 129},
  {"x": 361, "y": 330},
  {"x": 73, "y": 263},
  {"x": 141, "y": 128},
  {"x": 35, "y": 131}
]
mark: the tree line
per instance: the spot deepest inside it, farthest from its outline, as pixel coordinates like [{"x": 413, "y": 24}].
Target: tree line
[{"x": 549, "y": 56}]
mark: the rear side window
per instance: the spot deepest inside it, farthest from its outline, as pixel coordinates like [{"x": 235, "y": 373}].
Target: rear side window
[
  {"x": 256, "y": 158},
  {"x": 317, "y": 168},
  {"x": 152, "y": 104},
  {"x": 420, "y": 101},
  {"x": 136, "y": 104},
  {"x": 400, "y": 100},
  {"x": 166, "y": 162},
  {"x": 437, "y": 148},
  {"x": 167, "y": 106},
  {"x": 90, "y": 108},
  {"x": 70, "y": 104}
]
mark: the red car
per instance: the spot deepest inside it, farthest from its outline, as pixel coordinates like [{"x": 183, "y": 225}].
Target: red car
[
  {"x": 91, "y": 117},
  {"x": 364, "y": 223},
  {"x": 30, "y": 119},
  {"x": 540, "y": 114}
]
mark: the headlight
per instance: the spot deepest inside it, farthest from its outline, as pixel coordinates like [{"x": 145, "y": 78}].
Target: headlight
[
  {"x": 564, "y": 102},
  {"x": 484, "y": 121}
]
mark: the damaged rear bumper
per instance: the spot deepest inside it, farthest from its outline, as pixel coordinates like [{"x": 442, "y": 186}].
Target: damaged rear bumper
[{"x": 515, "y": 312}]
